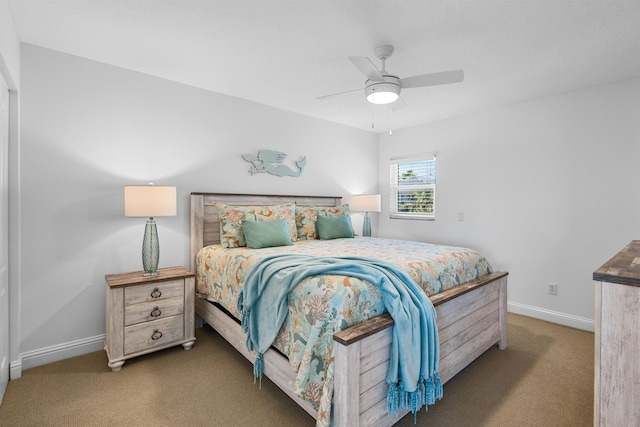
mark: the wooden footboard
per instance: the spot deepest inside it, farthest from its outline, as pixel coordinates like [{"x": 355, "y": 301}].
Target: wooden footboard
[{"x": 471, "y": 319}]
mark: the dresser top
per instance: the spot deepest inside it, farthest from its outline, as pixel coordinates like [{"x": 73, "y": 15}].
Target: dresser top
[
  {"x": 623, "y": 268},
  {"x": 137, "y": 277}
]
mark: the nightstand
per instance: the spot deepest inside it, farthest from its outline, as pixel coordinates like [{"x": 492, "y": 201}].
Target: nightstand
[{"x": 146, "y": 314}]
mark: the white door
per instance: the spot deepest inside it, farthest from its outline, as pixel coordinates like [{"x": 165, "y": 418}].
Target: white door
[{"x": 4, "y": 237}]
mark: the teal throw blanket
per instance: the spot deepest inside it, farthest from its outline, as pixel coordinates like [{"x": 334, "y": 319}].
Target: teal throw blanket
[{"x": 413, "y": 370}]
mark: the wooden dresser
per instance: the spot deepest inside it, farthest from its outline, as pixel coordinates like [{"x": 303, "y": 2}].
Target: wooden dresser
[
  {"x": 617, "y": 345},
  {"x": 145, "y": 314}
]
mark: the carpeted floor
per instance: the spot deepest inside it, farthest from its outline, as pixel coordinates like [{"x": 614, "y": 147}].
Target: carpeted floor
[{"x": 544, "y": 378}]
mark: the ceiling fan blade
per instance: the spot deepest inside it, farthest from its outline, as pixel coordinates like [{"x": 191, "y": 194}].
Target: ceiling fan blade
[
  {"x": 339, "y": 93},
  {"x": 433, "y": 79},
  {"x": 367, "y": 68},
  {"x": 398, "y": 105}
]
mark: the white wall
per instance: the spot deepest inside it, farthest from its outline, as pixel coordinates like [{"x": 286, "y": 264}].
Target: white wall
[
  {"x": 549, "y": 191},
  {"x": 88, "y": 129}
]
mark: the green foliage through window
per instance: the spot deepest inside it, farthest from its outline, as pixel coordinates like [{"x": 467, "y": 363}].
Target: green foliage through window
[{"x": 413, "y": 186}]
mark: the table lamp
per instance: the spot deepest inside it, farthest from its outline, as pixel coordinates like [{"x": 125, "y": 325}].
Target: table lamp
[
  {"x": 367, "y": 203},
  {"x": 149, "y": 201}
]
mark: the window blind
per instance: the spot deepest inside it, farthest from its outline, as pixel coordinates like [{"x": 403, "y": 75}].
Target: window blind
[{"x": 413, "y": 186}]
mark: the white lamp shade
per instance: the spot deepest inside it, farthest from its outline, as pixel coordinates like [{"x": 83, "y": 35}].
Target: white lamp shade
[
  {"x": 149, "y": 201},
  {"x": 367, "y": 203}
]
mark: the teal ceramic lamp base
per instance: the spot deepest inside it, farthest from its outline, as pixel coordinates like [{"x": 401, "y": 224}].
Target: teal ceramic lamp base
[
  {"x": 366, "y": 225},
  {"x": 150, "y": 249}
]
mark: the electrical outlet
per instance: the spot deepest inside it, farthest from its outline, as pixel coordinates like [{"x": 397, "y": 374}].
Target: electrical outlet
[{"x": 552, "y": 288}]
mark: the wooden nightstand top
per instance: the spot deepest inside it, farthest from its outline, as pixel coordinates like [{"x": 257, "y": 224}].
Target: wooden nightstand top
[{"x": 137, "y": 277}]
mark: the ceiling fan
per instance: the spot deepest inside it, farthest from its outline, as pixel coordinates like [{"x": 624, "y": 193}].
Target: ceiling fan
[{"x": 384, "y": 88}]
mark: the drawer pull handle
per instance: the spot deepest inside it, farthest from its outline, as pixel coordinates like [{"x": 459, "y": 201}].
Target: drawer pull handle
[
  {"x": 156, "y": 312},
  {"x": 156, "y": 335},
  {"x": 156, "y": 293}
]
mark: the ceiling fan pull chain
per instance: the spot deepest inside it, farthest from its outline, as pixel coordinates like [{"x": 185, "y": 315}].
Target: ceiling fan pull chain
[
  {"x": 390, "y": 122},
  {"x": 372, "y": 119}
]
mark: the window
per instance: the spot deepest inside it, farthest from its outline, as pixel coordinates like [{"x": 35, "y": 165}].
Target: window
[{"x": 413, "y": 187}]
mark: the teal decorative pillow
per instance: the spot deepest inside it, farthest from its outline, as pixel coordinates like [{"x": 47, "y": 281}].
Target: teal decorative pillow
[
  {"x": 334, "y": 227},
  {"x": 306, "y": 217},
  {"x": 231, "y": 232},
  {"x": 266, "y": 234}
]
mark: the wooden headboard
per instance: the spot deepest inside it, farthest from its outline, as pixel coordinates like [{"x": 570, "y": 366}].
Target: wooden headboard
[{"x": 205, "y": 225}]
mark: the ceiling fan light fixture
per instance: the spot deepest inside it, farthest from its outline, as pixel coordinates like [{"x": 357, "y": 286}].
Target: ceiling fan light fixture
[
  {"x": 382, "y": 88},
  {"x": 382, "y": 93}
]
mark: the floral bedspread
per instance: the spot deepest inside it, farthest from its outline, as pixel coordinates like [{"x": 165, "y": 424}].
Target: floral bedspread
[{"x": 322, "y": 305}]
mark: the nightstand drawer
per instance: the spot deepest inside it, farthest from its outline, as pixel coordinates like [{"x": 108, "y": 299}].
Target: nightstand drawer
[
  {"x": 153, "y": 334},
  {"x": 153, "y": 310},
  {"x": 153, "y": 291}
]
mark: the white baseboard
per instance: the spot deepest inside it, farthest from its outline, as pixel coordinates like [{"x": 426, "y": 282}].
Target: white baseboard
[
  {"x": 55, "y": 353},
  {"x": 551, "y": 316},
  {"x": 15, "y": 369}
]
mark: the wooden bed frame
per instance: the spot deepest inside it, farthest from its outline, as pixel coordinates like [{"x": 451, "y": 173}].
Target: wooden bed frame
[{"x": 471, "y": 319}]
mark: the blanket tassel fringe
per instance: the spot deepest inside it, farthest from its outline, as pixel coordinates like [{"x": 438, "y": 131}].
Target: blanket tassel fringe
[
  {"x": 258, "y": 367},
  {"x": 427, "y": 392}
]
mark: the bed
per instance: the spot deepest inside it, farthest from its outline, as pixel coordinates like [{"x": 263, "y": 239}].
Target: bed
[{"x": 471, "y": 319}]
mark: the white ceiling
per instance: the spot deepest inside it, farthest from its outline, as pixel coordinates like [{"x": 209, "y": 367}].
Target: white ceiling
[{"x": 285, "y": 53}]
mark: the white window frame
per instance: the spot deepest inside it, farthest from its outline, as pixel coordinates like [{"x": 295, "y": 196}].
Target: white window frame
[{"x": 395, "y": 187}]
